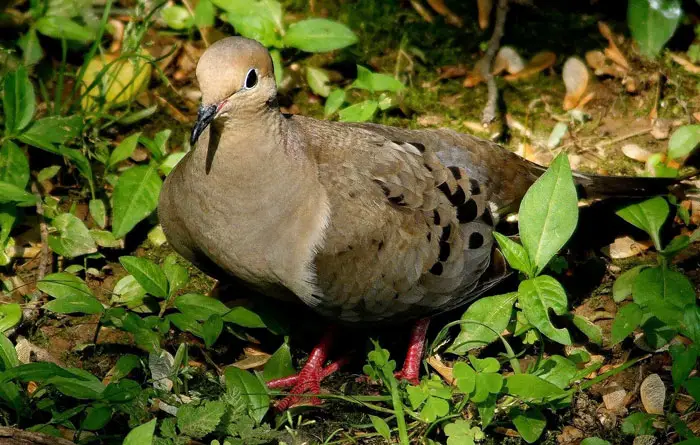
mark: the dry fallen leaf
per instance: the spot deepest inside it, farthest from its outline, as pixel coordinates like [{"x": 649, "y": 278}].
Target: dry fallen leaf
[
  {"x": 442, "y": 369},
  {"x": 696, "y": 116},
  {"x": 570, "y": 435},
  {"x": 476, "y": 76},
  {"x": 508, "y": 60},
  {"x": 644, "y": 440},
  {"x": 420, "y": 9},
  {"x": 485, "y": 7},
  {"x": 634, "y": 151},
  {"x": 614, "y": 397},
  {"x": 602, "y": 66},
  {"x": 653, "y": 394},
  {"x": 450, "y": 17},
  {"x": 539, "y": 62},
  {"x": 625, "y": 247},
  {"x": 686, "y": 64},
  {"x": 576, "y": 78},
  {"x": 452, "y": 71},
  {"x": 612, "y": 51}
]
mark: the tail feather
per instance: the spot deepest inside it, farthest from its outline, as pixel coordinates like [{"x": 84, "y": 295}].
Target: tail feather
[{"x": 597, "y": 186}]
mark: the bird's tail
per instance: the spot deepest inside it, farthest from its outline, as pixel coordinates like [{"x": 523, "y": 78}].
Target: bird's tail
[{"x": 597, "y": 186}]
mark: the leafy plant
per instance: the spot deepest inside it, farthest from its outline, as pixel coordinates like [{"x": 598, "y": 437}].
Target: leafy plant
[{"x": 653, "y": 23}]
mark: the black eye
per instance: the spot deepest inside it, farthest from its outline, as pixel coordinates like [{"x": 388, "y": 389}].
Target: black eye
[{"x": 251, "y": 79}]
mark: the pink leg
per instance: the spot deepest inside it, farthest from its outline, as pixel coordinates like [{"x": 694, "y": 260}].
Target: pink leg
[
  {"x": 309, "y": 378},
  {"x": 414, "y": 355}
]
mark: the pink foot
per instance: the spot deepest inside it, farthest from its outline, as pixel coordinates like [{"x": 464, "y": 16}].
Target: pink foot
[
  {"x": 308, "y": 381},
  {"x": 416, "y": 344}
]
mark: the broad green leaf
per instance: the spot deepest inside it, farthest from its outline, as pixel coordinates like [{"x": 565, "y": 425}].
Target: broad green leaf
[
  {"x": 622, "y": 288},
  {"x": 125, "y": 364},
  {"x": 592, "y": 330},
  {"x": 259, "y": 20},
  {"x": 201, "y": 307},
  {"x": 122, "y": 391},
  {"x": 557, "y": 370},
  {"x": 62, "y": 284},
  {"x": 72, "y": 238},
  {"x": 31, "y": 48},
  {"x": 64, "y": 28},
  {"x": 14, "y": 166},
  {"x": 693, "y": 387},
  {"x": 648, "y": 216},
  {"x": 8, "y": 354},
  {"x": 158, "y": 146},
  {"x": 170, "y": 162},
  {"x": 204, "y": 14},
  {"x": 652, "y": 23},
  {"x": 639, "y": 424},
  {"x": 493, "y": 312},
  {"x": 381, "y": 427},
  {"x": 335, "y": 100},
  {"x": 186, "y": 323},
  {"x": 319, "y": 35},
  {"x": 149, "y": 275},
  {"x": 548, "y": 213},
  {"x": 48, "y": 132},
  {"x": 177, "y": 17},
  {"x": 280, "y": 364},
  {"x": 125, "y": 149},
  {"x": 536, "y": 297},
  {"x": 690, "y": 326},
  {"x": 10, "y": 316},
  {"x": 128, "y": 291},
  {"x": 97, "y": 417},
  {"x": 663, "y": 290},
  {"x": 85, "y": 389},
  {"x": 531, "y": 388},
  {"x": 530, "y": 423},
  {"x": 103, "y": 238},
  {"x": 626, "y": 321},
  {"x": 359, "y": 112},
  {"x": 135, "y": 197},
  {"x": 252, "y": 390},
  {"x": 465, "y": 377},
  {"x": 515, "y": 254},
  {"x": 98, "y": 212},
  {"x": 198, "y": 421},
  {"x": 177, "y": 275},
  {"x": 683, "y": 141},
  {"x": 10, "y": 193},
  {"x": 47, "y": 173},
  {"x": 594, "y": 441},
  {"x": 371, "y": 81},
  {"x": 8, "y": 216},
  {"x": 18, "y": 101},
  {"x": 684, "y": 361},
  {"x": 318, "y": 81},
  {"x": 141, "y": 435},
  {"x": 75, "y": 304},
  {"x": 211, "y": 329}
]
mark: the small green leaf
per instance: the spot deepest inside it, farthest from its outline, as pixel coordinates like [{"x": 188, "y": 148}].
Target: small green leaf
[
  {"x": 204, "y": 14},
  {"x": 530, "y": 423},
  {"x": 135, "y": 197},
  {"x": 48, "y": 132},
  {"x": 8, "y": 354},
  {"x": 693, "y": 387},
  {"x": 489, "y": 317},
  {"x": 18, "y": 101},
  {"x": 626, "y": 321},
  {"x": 683, "y": 141},
  {"x": 141, "y": 435},
  {"x": 211, "y": 329},
  {"x": 59, "y": 28},
  {"x": 125, "y": 149},
  {"x": 47, "y": 173},
  {"x": 10, "y": 193},
  {"x": 96, "y": 418},
  {"x": 648, "y": 216},
  {"x": 360, "y": 112},
  {"x": 665, "y": 292},
  {"x": 590, "y": 329},
  {"x": 532, "y": 388},
  {"x": 335, "y": 100},
  {"x": 557, "y": 370},
  {"x": 128, "y": 291},
  {"x": 252, "y": 390},
  {"x": 79, "y": 388},
  {"x": 381, "y": 427},
  {"x": 98, "y": 212},
  {"x": 318, "y": 81},
  {"x": 170, "y": 162},
  {"x": 257, "y": 20},
  {"x": 548, "y": 213},
  {"x": 594, "y": 441},
  {"x": 14, "y": 166},
  {"x": 148, "y": 274},
  {"x": 10, "y": 316},
  {"x": 198, "y": 421},
  {"x": 201, "y": 307},
  {"x": 75, "y": 304},
  {"x": 652, "y": 23},
  {"x": 177, "y": 275},
  {"x": 31, "y": 48},
  {"x": 125, "y": 364},
  {"x": 106, "y": 239},
  {"x": 280, "y": 364},
  {"x": 62, "y": 284},
  {"x": 638, "y": 424},
  {"x": 177, "y": 17},
  {"x": 515, "y": 254},
  {"x": 319, "y": 35},
  {"x": 73, "y": 238},
  {"x": 684, "y": 360},
  {"x": 370, "y": 81},
  {"x": 622, "y": 288},
  {"x": 536, "y": 297}
]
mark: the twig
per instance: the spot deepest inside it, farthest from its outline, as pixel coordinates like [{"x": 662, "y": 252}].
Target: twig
[
  {"x": 489, "y": 113},
  {"x": 623, "y": 138},
  {"x": 44, "y": 233},
  {"x": 202, "y": 33}
]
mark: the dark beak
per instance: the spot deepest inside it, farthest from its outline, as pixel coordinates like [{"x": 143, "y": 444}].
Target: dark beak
[{"x": 204, "y": 117}]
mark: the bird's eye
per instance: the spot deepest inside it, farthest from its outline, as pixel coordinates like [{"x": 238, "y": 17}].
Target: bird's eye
[{"x": 251, "y": 79}]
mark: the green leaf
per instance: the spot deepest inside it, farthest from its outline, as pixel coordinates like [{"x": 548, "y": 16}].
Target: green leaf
[
  {"x": 638, "y": 424},
  {"x": 47, "y": 173},
  {"x": 557, "y": 370},
  {"x": 128, "y": 291},
  {"x": 319, "y": 35},
  {"x": 693, "y": 387},
  {"x": 18, "y": 101},
  {"x": 531, "y": 388},
  {"x": 652, "y": 23},
  {"x": 335, "y": 100},
  {"x": 47, "y": 132},
  {"x": 10, "y": 316},
  {"x": 683, "y": 141},
  {"x": 370, "y": 81},
  {"x": 177, "y": 275},
  {"x": 177, "y": 17},
  {"x": 148, "y": 274},
  {"x": 86, "y": 389},
  {"x": 170, "y": 162},
  {"x": 665, "y": 292},
  {"x": 201, "y": 307},
  {"x": 198, "y": 421},
  {"x": 626, "y": 321},
  {"x": 360, "y": 112},
  {"x": 122, "y": 391},
  {"x": 257, "y": 20},
  {"x": 318, "y": 81},
  {"x": 280, "y": 364},
  {"x": 548, "y": 213},
  {"x": 684, "y": 360},
  {"x": 530, "y": 423},
  {"x": 141, "y": 435},
  {"x": 186, "y": 323},
  {"x": 211, "y": 329},
  {"x": 75, "y": 304},
  {"x": 460, "y": 432},
  {"x": 691, "y": 323},
  {"x": 73, "y": 238},
  {"x": 98, "y": 212},
  {"x": 493, "y": 312},
  {"x": 515, "y": 254},
  {"x": 594, "y": 441},
  {"x": 59, "y": 27},
  {"x": 31, "y": 48},
  {"x": 103, "y": 238},
  {"x": 14, "y": 166},
  {"x": 277, "y": 66},
  {"x": 381, "y": 427},
  {"x": 622, "y": 288},
  {"x": 204, "y": 14},
  {"x": 536, "y": 297},
  {"x": 158, "y": 146},
  {"x": 12, "y": 193},
  {"x": 648, "y": 216},
  {"x": 97, "y": 417},
  {"x": 62, "y": 284},
  {"x": 125, "y": 149},
  {"x": 8, "y": 354},
  {"x": 252, "y": 390},
  {"x": 590, "y": 329},
  {"x": 135, "y": 197},
  {"x": 125, "y": 364}
]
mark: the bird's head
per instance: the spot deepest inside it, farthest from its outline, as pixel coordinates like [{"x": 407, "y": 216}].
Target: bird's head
[{"x": 236, "y": 78}]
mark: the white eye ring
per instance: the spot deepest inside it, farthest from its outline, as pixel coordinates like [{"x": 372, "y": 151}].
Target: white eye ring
[{"x": 251, "y": 79}]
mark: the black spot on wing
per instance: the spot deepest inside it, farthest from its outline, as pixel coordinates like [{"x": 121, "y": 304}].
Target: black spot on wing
[
  {"x": 457, "y": 198},
  {"x": 436, "y": 217},
  {"x": 455, "y": 172},
  {"x": 467, "y": 212},
  {"x": 476, "y": 240},
  {"x": 476, "y": 188},
  {"x": 436, "y": 269},
  {"x": 444, "y": 252}
]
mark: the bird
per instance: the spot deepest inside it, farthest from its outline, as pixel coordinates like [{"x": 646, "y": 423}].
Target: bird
[{"x": 364, "y": 223}]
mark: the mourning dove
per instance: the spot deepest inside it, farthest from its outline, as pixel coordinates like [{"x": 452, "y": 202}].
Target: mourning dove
[{"x": 364, "y": 223}]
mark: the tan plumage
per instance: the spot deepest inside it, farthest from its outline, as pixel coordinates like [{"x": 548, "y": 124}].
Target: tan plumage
[{"x": 362, "y": 222}]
